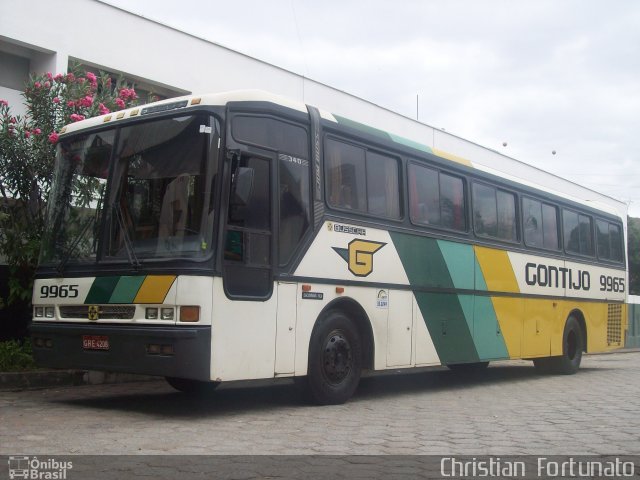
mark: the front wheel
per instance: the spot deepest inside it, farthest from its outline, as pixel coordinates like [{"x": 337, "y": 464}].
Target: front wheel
[{"x": 335, "y": 360}]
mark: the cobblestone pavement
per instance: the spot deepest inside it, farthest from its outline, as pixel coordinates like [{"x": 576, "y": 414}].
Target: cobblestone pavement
[{"x": 507, "y": 410}]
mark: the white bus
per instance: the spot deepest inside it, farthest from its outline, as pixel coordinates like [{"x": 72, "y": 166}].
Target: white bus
[{"x": 242, "y": 236}]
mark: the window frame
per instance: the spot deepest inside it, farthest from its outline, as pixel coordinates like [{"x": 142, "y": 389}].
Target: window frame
[
  {"x": 330, "y": 136},
  {"x": 579, "y": 214},
  {"x": 517, "y": 215},
  {"x": 465, "y": 198},
  {"x": 542, "y": 203}
]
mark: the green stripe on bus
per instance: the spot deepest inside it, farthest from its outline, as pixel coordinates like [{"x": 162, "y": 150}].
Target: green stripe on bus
[
  {"x": 459, "y": 259},
  {"x": 126, "y": 289},
  {"x": 101, "y": 290},
  {"x": 448, "y": 317},
  {"x": 447, "y": 325},
  {"x": 362, "y": 127},
  {"x": 422, "y": 261},
  {"x": 486, "y": 331},
  {"x": 410, "y": 143}
]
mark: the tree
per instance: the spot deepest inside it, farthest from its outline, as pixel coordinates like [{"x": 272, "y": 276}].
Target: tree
[
  {"x": 633, "y": 251},
  {"x": 27, "y": 156}
]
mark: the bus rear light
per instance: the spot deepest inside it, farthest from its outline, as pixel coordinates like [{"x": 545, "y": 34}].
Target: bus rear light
[
  {"x": 39, "y": 312},
  {"x": 49, "y": 312},
  {"x": 190, "y": 314},
  {"x": 151, "y": 313},
  {"x": 306, "y": 288},
  {"x": 339, "y": 289},
  {"x": 166, "y": 314}
]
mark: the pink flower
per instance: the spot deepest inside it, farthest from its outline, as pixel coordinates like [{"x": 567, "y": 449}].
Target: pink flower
[
  {"x": 13, "y": 120},
  {"x": 71, "y": 104},
  {"x": 53, "y": 138},
  {"x": 27, "y": 134},
  {"x": 37, "y": 85},
  {"x": 59, "y": 78},
  {"x": 120, "y": 103},
  {"x": 92, "y": 78},
  {"x": 86, "y": 101},
  {"x": 70, "y": 77},
  {"x": 47, "y": 84},
  {"x": 128, "y": 93},
  {"x": 103, "y": 110},
  {"x": 49, "y": 76},
  {"x": 4, "y": 103},
  {"x": 75, "y": 117},
  {"x": 37, "y": 131},
  {"x": 56, "y": 100}
]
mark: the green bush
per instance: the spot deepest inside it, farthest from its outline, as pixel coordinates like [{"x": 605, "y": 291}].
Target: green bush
[{"x": 16, "y": 356}]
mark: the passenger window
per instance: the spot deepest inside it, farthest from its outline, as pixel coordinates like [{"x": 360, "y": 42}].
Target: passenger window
[
  {"x": 436, "y": 198},
  {"x": 540, "y": 224},
  {"x": 609, "y": 241},
  {"x": 494, "y": 213},
  {"x": 577, "y": 233},
  {"x": 360, "y": 180}
]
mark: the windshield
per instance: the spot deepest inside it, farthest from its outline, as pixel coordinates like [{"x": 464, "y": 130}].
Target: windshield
[
  {"x": 76, "y": 199},
  {"x": 159, "y": 200}
]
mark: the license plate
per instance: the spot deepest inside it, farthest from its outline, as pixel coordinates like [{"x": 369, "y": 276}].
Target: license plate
[{"x": 95, "y": 342}]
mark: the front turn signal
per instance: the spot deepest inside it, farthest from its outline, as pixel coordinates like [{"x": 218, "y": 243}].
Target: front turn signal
[{"x": 190, "y": 314}]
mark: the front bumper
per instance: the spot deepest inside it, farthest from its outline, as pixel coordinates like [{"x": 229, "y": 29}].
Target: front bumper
[{"x": 129, "y": 349}]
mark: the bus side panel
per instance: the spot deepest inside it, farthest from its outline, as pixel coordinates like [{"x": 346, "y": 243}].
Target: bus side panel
[{"x": 242, "y": 336}]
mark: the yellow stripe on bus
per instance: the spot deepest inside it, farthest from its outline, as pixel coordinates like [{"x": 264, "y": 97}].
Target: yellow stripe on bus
[
  {"x": 154, "y": 289},
  {"x": 452, "y": 157}
]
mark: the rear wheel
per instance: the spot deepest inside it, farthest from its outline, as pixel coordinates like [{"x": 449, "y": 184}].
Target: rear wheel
[
  {"x": 335, "y": 360},
  {"x": 572, "y": 347},
  {"x": 188, "y": 385}
]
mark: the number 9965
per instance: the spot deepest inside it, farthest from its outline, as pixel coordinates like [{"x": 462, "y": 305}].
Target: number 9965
[{"x": 58, "y": 291}]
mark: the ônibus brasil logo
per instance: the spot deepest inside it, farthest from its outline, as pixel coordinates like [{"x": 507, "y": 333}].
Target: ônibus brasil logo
[{"x": 33, "y": 468}]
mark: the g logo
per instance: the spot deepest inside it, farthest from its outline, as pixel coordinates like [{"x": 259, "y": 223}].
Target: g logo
[
  {"x": 359, "y": 256},
  {"x": 94, "y": 312}
]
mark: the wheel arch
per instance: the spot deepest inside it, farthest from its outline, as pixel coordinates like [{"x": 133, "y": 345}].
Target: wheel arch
[{"x": 355, "y": 312}]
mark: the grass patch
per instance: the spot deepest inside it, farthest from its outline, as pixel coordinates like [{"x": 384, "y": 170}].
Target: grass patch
[{"x": 16, "y": 356}]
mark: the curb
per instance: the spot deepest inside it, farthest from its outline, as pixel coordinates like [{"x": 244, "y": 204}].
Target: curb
[{"x": 16, "y": 381}]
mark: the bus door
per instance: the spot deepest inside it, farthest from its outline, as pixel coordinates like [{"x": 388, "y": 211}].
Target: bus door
[{"x": 268, "y": 216}]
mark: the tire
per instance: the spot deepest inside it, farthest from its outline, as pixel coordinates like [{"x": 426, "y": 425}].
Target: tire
[
  {"x": 335, "y": 360},
  {"x": 187, "y": 385},
  {"x": 468, "y": 367},
  {"x": 572, "y": 346}
]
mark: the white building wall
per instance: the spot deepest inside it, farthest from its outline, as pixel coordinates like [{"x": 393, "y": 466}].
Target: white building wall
[{"x": 162, "y": 57}]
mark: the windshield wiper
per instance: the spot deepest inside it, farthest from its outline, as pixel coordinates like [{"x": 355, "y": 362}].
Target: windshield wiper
[
  {"x": 72, "y": 247},
  {"x": 128, "y": 244}
]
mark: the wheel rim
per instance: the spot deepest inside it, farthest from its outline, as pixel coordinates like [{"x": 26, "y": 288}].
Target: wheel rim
[{"x": 337, "y": 357}]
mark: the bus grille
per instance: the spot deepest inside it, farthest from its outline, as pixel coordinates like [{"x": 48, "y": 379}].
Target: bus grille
[
  {"x": 105, "y": 312},
  {"x": 614, "y": 324}
]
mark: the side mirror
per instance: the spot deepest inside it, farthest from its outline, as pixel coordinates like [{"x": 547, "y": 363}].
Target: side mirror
[{"x": 242, "y": 186}]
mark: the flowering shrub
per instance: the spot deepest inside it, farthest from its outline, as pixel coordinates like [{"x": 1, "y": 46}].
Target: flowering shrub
[{"x": 27, "y": 155}]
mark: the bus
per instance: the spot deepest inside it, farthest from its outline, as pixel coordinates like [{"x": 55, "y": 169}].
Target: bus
[{"x": 242, "y": 236}]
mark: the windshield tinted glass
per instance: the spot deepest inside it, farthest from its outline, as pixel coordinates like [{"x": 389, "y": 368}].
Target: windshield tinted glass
[
  {"x": 159, "y": 200},
  {"x": 76, "y": 199},
  {"x": 161, "y": 193}
]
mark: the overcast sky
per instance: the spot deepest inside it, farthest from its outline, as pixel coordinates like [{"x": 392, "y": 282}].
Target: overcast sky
[{"x": 540, "y": 75}]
